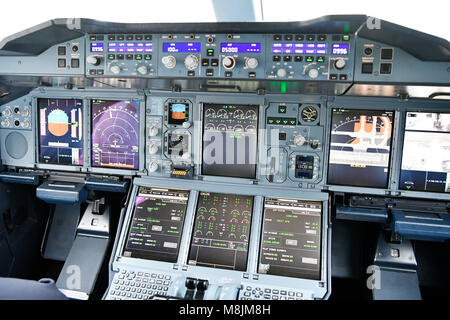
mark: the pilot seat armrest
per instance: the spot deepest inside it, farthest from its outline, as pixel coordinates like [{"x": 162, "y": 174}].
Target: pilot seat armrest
[
  {"x": 23, "y": 178},
  {"x": 106, "y": 185},
  {"x": 361, "y": 214},
  {"x": 421, "y": 226},
  {"x": 61, "y": 192}
]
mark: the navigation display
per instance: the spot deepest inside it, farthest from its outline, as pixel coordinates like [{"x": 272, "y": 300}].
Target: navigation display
[
  {"x": 221, "y": 232},
  {"x": 360, "y": 147},
  {"x": 157, "y": 224},
  {"x": 61, "y": 131},
  {"x": 230, "y": 138},
  {"x": 291, "y": 238},
  {"x": 115, "y": 134},
  {"x": 426, "y": 152}
]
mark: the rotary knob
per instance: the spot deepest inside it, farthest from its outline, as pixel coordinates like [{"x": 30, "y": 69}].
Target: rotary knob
[
  {"x": 94, "y": 60},
  {"x": 153, "y": 148},
  {"x": 153, "y": 131},
  {"x": 169, "y": 62},
  {"x": 299, "y": 140},
  {"x": 313, "y": 73},
  {"x": 153, "y": 166},
  {"x": 251, "y": 63},
  {"x": 7, "y": 112},
  {"x": 281, "y": 73},
  {"x": 228, "y": 62},
  {"x": 142, "y": 70},
  {"x": 6, "y": 123},
  {"x": 115, "y": 69},
  {"x": 191, "y": 62},
  {"x": 186, "y": 124},
  {"x": 339, "y": 64},
  {"x": 314, "y": 144}
]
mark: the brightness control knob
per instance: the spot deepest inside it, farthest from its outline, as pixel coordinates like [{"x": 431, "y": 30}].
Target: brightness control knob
[
  {"x": 115, "y": 69},
  {"x": 153, "y": 131},
  {"x": 313, "y": 73},
  {"x": 153, "y": 166},
  {"x": 251, "y": 63},
  {"x": 169, "y": 62},
  {"x": 228, "y": 62},
  {"x": 94, "y": 60},
  {"x": 191, "y": 62},
  {"x": 299, "y": 140},
  {"x": 153, "y": 148},
  {"x": 339, "y": 64},
  {"x": 281, "y": 73},
  {"x": 142, "y": 70}
]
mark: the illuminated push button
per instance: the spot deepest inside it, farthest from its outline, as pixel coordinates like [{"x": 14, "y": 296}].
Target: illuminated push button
[
  {"x": 313, "y": 73},
  {"x": 251, "y": 63},
  {"x": 228, "y": 62},
  {"x": 142, "y": 70},
  {"x": 191, "y": 62},
  {"x": 169, "y": 62},
  {"x": 115, "y": 69}
]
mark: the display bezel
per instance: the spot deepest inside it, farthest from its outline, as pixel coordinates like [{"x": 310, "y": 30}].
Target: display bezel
[
  {"x": 260, "y": 244},
  {"x": 405, "y": 116},
  {"x": 392, "y": 143},
  {"x": 140, "y": 154},
  {"x": 258, "y": 119},
  {"x": 158, "y": 256},
  {"x": 38, "y": 131},
  {"x": 192, "y": 231}
]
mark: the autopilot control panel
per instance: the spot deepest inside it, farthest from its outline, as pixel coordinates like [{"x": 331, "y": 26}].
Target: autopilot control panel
[{"x": 235, "y": 150}]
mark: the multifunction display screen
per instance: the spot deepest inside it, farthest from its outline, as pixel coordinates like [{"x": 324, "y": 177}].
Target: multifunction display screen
[
  {"x": 230, "y": 136},
  {"x": 360, "y": 147},
  {"x": 291, "y": 238},
  {"x": 221, "y": 231},
  {"x": 61, "y": 131},
  {"x": 426, "y": 152},
  {"x": 157, "y": 224},
  {"x": 115, "y": 134}
]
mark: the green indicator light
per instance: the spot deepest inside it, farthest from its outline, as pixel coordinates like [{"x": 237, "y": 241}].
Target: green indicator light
[
  {"x": 278, "y": 121},
  {"x": 285, "y": 121},
  {"x": 346, "y": 37},
  {"x": 347, "y": 28},
  {"x": 283, "y": 87},
  {"x": 292, "y": 122}
]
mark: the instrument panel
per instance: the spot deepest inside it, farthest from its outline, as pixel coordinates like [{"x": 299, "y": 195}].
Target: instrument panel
[{"x": 233, "y": 145}]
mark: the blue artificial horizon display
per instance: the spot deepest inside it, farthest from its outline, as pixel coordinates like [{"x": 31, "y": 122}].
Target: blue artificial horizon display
[
  {"x": 182, "y": 47},
  {"x": 240, "y": 47}
]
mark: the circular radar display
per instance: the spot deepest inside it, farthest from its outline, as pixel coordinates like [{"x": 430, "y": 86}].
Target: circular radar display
[
  {"x": 309, "y": 114},
  {"x": 115, "y": 134}
]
